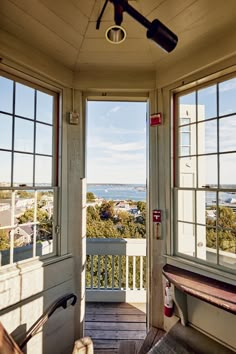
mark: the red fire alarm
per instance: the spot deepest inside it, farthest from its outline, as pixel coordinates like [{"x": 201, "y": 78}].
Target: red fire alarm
[
  {"x": 156, "y": 216},
  {"x": 155, "y": 119}
]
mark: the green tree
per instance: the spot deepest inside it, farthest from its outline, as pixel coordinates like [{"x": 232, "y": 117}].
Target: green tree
[
  {"x": 44, "y": 227},
  {"x": 90, "y": 197},
  {"x": 141, "y": 206},
  {"x": 222, "y": 231},
  {"x": 107, "y": 210}
]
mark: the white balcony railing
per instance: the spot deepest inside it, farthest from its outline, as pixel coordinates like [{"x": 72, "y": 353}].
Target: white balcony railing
[{"x": 116, "y": 270}]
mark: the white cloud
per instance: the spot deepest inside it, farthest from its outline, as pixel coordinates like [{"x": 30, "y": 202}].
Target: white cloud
[
  {"x": 107, "y": 146},
  {"x": 113, "y": 110}
]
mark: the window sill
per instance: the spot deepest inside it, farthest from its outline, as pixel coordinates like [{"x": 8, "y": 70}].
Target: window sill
[
  {"x": 202, "y": 269},
  {"x": 215, "y": 292},
  {"x": 11, "y": 270}
]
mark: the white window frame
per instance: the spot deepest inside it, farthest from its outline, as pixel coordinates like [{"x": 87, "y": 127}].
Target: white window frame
[
  {"x": 56, "y": 170},
  {"x": 186, "y": 260}
]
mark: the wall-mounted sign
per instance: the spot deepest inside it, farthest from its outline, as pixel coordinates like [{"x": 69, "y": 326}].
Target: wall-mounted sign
[
  {"x": 156, "y": 216},
  {"x": 155, "y": 119}
]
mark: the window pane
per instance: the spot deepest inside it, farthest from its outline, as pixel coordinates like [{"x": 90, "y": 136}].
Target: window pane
[
  {"x": 211, "y": 244},
  {"x": 5, "y": 170},
  {"x": 23, "y": 169},
  {"x": 44, "y": 111},
  {"x": 186, "y": 238},
  {"x": 206, "y": 202},
  {"x": 207, "y": 171},
  {"x": 207, "y": 103},
  {"x": 24, "y": 105},
  {"x": 184, "y": 121},
  {"x": 207, "y": 137},
  {"x": 4, "y": 246},
  {"x": 201, "y": 242},
  {"x": 24, "y": 135},
  {"x": 43, "y": 170},
  {"x": 187, "y": 108},
  {"x": 227, "y": 94},
  {"x": 227, "y": 133},
  {"x": 45, "y": 222},
  {"x": 227, "y": 248},
  {"x": 5, "y": 131},
  {"x": 23, "y": 242},
  {"x": 5, "y": 208},
  {"x": 43, "y": 139},
  {"x": 185, "y": 138},
  {"x": 185, "y": 151},
  {"x": 24, "y": 206},
  {"x": 187, "y": 175},
  {"x": 227, "y": 170},
  {"x": 6, "y": 95},
  {"x": 186, "y": 206}
]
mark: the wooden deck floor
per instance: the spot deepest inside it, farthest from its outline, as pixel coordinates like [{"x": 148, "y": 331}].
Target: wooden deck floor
[{"x": 109, "y": 323}]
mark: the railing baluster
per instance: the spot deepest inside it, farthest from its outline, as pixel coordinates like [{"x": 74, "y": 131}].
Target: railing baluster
[
  {"x": 141, "y": 272},
  {"x": 91, "y": 271},
  {"x": 113, "y": 271},
  {"x": 119, "y": 272},
  {"x": 134, "y": 272},
  {"x": 99, "y": 271},
  {"x": 105, "y": 272},
  {"x": 127, "y": 273}
]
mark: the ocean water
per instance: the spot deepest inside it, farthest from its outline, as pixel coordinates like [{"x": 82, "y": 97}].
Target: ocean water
[{"x": 135, "y": 192}]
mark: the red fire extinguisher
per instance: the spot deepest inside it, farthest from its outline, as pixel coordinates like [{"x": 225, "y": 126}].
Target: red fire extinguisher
[{"x": 168, "y": 302}]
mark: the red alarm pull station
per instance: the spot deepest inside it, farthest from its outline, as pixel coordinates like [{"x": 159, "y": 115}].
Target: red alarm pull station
[
  {"x": 156, "y": 216},
  {"x": 155, "y": 119}
]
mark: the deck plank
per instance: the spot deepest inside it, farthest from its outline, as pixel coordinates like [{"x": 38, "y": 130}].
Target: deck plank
[{"x": 108, "y": 324}]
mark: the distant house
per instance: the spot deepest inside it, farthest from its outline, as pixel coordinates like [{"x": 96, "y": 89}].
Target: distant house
[
  {"x": 122, "y": 205},
  {"x": 23, "y": 235}
]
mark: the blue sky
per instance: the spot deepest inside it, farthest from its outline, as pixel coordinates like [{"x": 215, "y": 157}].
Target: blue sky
[{"x": 116, "y": 142}]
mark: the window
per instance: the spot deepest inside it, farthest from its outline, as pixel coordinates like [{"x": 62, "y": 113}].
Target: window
[
  {"x": 28, "y": 184},
  {"x": 205, "y": 175}
]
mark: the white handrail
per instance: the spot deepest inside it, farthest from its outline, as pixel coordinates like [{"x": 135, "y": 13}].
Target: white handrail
[{"x": 115, "y": 270}]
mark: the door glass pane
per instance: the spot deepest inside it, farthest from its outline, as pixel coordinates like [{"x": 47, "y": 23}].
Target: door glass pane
[
  {"x": 43, "y": 170},
  {"x": 24, "y": 135},
  {"x": 227, "y": 133},
  {"x": 207, "y": 103},
  {"x": 186, "y": 205},
  {"x": 23, "y": 169},
  {"x": 44, "y": 111},
  {"x": 187, "y": 172},
  {"x": 43, "y": 139},
  {"x": 5, "y": 131},
  {"x": 186, "y": 238},
  {"x": 227, "y": 94},
  {"x": 207, "y": 137},
  {"x": 6, "y": 95},
  {"x": 24, "y": 105},
  {"x": 228, "y": 170},
  {"x": 207, "y": 171},
  {"x": 5, "y": 170}
]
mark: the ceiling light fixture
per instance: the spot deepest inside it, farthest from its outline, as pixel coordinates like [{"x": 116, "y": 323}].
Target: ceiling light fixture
[
  {"x": 115, "y": 34},
  {"x": 156, "y": 30}
]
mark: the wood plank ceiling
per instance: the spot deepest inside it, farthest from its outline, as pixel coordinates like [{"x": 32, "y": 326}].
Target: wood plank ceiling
[{"x": 66, "y": 30}]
